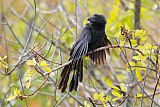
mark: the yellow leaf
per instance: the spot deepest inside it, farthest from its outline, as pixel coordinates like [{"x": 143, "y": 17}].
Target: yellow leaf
[
  {"x": 114, "y": 87},
  {"x": 12, "y": 97},
  {"x": 123, "y": 87},
  {"x": 148, "y": 45},
  {"x": 108, "y": 98},
  {"x": 102, "y": 99},
  {"x": 142, "y": 40},
  {"x": 140, "y": 33},
  {"x": 138, "y": 75},
  {"x": 109, "y": 83},
  {"x": 115, "y": 99},
  {"x": 122, "y": 43},
  {"x": 101, "y": 94},
  {"x": 117, "y": 93},
  {"x": 96, "y": 96},
  {"x": 128, "y": 69},
  {"x": 31, "y": 62},
  {"x": 3, "y": 65},
  {"x": 4, "y": 57},
  {"x": 136, "y": 58},
  {"x": 133, "y": 42},
  {"x": 17, "y": 92},
  {"x": 155, "y": 47},
  {"x": 140, "y": 47},
  {"x": 1, "y": 59},
  {"x": 48, "y": 69},
  {"x": 86, "y": 104},
  {"x": 138, "y": 95},
  {"x": 28, "y": 83},
  {"x": 104, "y": 105},
  {"x": 30, "y": 72},
  {"x": 142, "y": 57},
  {"x": 43, "y": 64},
  {"x": 132, "y": 63}
]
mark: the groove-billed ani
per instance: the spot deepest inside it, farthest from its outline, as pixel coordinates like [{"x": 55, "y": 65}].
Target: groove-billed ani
[{"x": 92, "y": 37}]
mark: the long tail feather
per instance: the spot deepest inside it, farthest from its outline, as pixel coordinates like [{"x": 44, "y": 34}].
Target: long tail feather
[
  {"x": 77, "y": 67},
  {"x": 81, "y": 70},
  {"x": 65, "y": 77},
  {"x": 71, "y": 86}
]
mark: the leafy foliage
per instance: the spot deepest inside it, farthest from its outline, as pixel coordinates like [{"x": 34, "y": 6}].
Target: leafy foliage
[{"x": 35, "y": 47}]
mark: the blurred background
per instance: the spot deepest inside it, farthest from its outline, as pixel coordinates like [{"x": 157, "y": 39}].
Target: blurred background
[{"x": 43, "y": 32}]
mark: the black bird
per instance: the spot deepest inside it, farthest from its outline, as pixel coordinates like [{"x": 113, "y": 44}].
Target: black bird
[{"x": 92, "y": 37}]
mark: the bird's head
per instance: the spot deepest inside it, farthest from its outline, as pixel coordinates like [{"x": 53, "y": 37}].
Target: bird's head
[{"x": 97, "y": 20}]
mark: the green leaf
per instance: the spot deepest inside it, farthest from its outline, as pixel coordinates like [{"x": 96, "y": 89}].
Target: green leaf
[{"x": 19, "y": 28}]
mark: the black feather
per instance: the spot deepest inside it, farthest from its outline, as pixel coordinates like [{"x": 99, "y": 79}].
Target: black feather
[
  {"x": 81, "y": 70},
  {"x": 76, "y": 81},
  {"x": 71, "y": 86}
]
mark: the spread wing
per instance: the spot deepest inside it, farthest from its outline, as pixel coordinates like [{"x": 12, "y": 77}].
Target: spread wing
[
  {"x": 79, "y": 49},
  {"x": 99, "y": 57}
]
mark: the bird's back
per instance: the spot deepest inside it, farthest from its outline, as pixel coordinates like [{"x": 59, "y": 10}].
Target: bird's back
[{"x": 97, "y": 38}]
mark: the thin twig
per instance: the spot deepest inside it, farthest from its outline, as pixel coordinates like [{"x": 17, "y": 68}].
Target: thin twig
[
  {"x": 155, "y": 91},
  {"x": 117, "y": 46}
]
